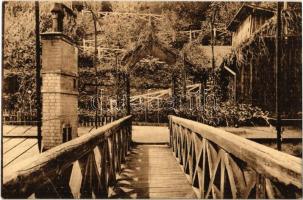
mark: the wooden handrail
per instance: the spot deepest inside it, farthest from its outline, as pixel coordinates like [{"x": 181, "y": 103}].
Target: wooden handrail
[
  {"x": 201, "y": 148},
  {"x": 112, "y": 140}
]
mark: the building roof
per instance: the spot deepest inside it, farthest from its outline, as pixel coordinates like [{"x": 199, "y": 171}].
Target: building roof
[{"x": 244, "y": 12}]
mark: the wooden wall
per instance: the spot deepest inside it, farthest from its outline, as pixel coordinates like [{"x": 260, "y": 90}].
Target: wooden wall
[
  {"x": 257, "y": 21},
  {"x": 256, "y": 78},
  {"x": 243, "y": 32},
  {"x": 247, "y": 27}
]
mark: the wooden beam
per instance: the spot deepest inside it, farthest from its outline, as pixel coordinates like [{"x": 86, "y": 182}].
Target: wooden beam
[
  {"x": 38, "y": 75},
  {"x": 126, "y": 13}
]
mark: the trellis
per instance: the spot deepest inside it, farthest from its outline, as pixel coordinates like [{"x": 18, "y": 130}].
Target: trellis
[
  {"x": 147, "y": 46},
  {"x": 152, "y": 46},
  {"x": 159, "y": 103}
]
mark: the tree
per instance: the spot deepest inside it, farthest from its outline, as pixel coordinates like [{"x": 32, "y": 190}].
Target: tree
[
  {"x": 19, "y": 48},
  {"x": 119, "y": 31}
]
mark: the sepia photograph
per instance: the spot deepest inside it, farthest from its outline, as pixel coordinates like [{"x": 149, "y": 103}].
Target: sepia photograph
[{"x": 151, "y": 99}]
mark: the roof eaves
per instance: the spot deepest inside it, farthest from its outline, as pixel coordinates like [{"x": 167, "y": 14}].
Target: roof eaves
[
  {"x": 246, "y": 10},
  {"x": 229, "y": 26}
]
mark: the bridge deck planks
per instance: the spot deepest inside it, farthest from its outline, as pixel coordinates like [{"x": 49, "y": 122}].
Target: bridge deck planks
[{"x": 151, "y": 171}]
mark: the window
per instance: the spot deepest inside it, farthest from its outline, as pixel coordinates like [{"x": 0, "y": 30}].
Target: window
[
  {"x": 75, "y": 84},
  {"x": 67, "y": 134}
]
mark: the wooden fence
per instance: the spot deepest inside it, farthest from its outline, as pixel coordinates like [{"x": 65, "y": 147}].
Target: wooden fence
[
  {"x": 25, "y": 120},
  {"x": 220, "y": 164},
  {"x": 84, "y": 167},
  {"x": 84, "y": 120}
]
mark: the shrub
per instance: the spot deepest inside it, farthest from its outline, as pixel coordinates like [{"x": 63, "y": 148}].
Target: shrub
[{"x": 227, "y": 114}]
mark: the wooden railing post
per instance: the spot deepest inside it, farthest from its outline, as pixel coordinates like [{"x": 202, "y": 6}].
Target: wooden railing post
[
  {"x": 112, "y": 166},
  {"x": 170, "y": 131},
  {"x": 124, "y": 139},
  {"x": 129, "y": 132},
  {"x": 118, "y": 149},
  {"x": 86, "y": 171},
  {"x": 260, "y": 187},
  {"x": 103, "y": 148},
  {"x": 57, "y": 187}
]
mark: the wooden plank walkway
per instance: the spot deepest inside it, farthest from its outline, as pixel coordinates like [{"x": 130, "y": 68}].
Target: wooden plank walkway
[
  {"x": 151, "y": 171},
  {"x": 150, "y": 134}
]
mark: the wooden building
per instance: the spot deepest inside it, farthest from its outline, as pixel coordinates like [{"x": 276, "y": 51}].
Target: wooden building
[
  {"x": 247, "y": 20},
  {"x": 250, "y": 67}
]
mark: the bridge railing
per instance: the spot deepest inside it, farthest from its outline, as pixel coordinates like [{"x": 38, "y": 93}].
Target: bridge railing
[
  {"x": 84, "y": 167},
  {"x": 220, "y": 164}
]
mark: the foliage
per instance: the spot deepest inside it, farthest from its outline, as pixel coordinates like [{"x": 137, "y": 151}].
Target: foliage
[
  {"x": 222, "y": 12},
  {"x": 228, "y": 114},
  {"x": 219, "y": 14},
  {"x": 114, "y": 31},
  {"x": 19, "y": 52},
  {"x": 150, "y": 74},
  {"x": 195, "y": 53},
  {"x": 218, "y": 110},
  {"x": 256, "y": 47}
]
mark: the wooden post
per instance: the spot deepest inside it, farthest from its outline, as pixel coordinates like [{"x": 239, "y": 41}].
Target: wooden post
[
  {"x": 145, "y": 109},
  {"x": 118, "y": 90},
  {"x": 251, "y": 79},
  {"x": 123, "y": 91},
  {"x": 84, "y": 45},
  {"x": 184, "y": 100},
  {"x": 278, "y": 74},
  {"x": 96, "y": 69},
  {"x": 285, "y": 28},
  {"x": 173, "y": 85},
  {"x": 199, "y": 100},
  {"x": 212, "y": 49},
  {"x": 176, "y": 92},
  {"x": 127, "y": 82},
  {"x": 260, "y": 187},
  {"x": 99, "y": 53},
  {"x": 158, "y": 113},
  {"x": 38, "y": 76}
]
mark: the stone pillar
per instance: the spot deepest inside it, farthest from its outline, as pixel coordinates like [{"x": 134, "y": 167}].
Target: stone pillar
[{"x": 59, "y": 89}]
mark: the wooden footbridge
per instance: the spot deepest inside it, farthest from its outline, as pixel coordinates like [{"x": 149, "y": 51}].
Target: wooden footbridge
[{"x": 199, "y": 162}]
